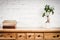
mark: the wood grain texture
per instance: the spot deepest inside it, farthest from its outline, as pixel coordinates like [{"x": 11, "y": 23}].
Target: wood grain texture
[
  {"x": 16, "y": 34},
  {"x": 38, "y": 36},
  {"x": 7, "y": 35},
  {"x": 30, "y": 36},
  {"x": 33, "y": 31},
  {"x": 52, "y": 35},
  {"x": 21, "y": 36}
]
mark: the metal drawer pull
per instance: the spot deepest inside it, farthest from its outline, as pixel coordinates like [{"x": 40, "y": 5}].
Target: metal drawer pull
[
  {"x": 38, "y": 35},
  {"x": 29, "y": 36},
  {"x": 20, "y": 35}
]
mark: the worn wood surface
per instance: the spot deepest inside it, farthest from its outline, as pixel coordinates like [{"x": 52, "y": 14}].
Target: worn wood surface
[{"x": 41, "y": 30}]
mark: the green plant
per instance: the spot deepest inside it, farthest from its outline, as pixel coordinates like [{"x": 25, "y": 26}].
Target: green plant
[{"x": 48, "y": 10}]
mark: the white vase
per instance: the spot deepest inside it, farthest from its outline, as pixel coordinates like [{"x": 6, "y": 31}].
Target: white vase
[{"x": 47, "y": 25}]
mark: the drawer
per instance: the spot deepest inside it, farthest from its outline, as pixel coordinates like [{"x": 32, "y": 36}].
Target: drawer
[
  {"x": 52, "y": 35},
  {"x": 21, "y": 36},
  {"x": 30, "y": 36},
  {"x": 7, "y": 35},
  {"x": 38, "y": 36}
]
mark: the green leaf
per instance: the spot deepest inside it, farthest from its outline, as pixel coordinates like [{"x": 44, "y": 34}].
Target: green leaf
[
  {"x": 43, "y": 15},
  {"x": 46, "y": 8}
]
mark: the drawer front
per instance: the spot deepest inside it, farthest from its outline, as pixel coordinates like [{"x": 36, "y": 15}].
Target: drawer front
[
  {"x": 7, "y": 35},
  {"x": 21, "y": 36},
  {"x": 30, "y": 36},
  {"x": 38, "y": 36},
  {"x": 52, "y": 35}
]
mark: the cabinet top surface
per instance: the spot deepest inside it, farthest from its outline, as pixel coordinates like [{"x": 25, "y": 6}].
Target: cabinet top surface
[{"x": 27, "y": 30}]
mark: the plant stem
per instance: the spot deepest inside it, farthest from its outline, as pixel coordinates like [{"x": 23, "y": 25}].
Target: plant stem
[{"x": 48, "y": 20}]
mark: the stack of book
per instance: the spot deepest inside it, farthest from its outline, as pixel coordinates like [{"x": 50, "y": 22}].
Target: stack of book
[{"x": 9, "y": 24}]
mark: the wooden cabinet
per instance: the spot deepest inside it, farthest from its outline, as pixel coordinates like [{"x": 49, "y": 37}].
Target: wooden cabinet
[{"x": 29, "y": 35}]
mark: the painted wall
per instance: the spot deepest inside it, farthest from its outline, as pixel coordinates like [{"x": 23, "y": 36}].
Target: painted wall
[{"x": 28, "y": 13}]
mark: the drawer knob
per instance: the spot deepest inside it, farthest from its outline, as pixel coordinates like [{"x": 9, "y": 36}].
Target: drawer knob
[
  {"x": 11, "y": 36},
  {"x": 38, "y": 35},
  {"x": 1, "y": 35},
  {"x": 20, "y": 36},
  {"x": 29, "y": 36},
  {"x": 54, "y": 36},
  {"x": 57, "y": 35}
]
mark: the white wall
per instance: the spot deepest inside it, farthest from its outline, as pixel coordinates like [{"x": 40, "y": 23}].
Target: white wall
[{"x": 28, "y": 13}]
